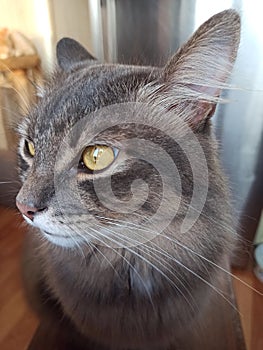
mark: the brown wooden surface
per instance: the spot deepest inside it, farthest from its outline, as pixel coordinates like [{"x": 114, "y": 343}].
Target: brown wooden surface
[
  {"x": 18, "y": 324},
  {"x": 20, "y": 62},
  {"x": 250, "y": 306}
]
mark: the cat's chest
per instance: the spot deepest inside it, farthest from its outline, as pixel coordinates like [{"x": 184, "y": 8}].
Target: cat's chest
[{"x": 78, "y": 279}]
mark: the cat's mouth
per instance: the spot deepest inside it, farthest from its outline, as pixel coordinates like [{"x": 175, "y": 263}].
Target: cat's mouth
[
  {"x": 54, "y": 235},
  {"x": 60, "y": 240},
  {"x": 50, "y": 234}
]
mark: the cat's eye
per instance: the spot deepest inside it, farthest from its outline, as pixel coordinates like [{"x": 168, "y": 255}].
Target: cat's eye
[
  {"x": 98, "y": 157},
  {"x": 30, "y": 148}
]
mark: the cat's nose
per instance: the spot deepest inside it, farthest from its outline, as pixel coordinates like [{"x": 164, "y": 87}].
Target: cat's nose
[{"x": 27, "y": 210}]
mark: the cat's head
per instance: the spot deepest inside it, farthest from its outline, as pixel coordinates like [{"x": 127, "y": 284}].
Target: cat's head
[{"x": 116, "y": 154}]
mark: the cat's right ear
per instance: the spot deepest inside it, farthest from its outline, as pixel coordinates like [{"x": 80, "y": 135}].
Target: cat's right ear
[
  {"x": 70, "y": 54},
  {"x": 193, "y": 79}
]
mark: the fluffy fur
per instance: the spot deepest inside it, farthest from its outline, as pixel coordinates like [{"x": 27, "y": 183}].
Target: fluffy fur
[{"x": 149, "y": 294}]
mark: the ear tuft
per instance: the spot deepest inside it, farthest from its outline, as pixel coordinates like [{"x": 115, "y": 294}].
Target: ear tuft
[
  {"x": 213, "y": 46},
  {"x": 193, "y": 79},
  {"x": 70, "y": 53}
]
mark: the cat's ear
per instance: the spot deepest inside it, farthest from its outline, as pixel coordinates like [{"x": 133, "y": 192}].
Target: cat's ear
[
  {"x": 191, "y": 82},
  {"x": 70, "y": 54}
]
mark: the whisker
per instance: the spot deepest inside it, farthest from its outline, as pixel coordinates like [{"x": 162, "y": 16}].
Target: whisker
[
  {"x": 200, "y": 256},
  {"x": 217, "y": 290},
  {"x": 214, "y": 264},
  {"x": 171, "y": 257},
  {"x": 152, "y": 265},
  {"x": 17, "y": 115},
  {"x": 23, "y": 91},
  {"x": 129, "y": 264},
  {"x": 98, "y": 250},
  {"x": 207, "y": 260}
]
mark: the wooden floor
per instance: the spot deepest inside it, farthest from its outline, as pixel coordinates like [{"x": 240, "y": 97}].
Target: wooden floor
[
  {"x": 250, "y": 306},
  {"x": 17, "y": 323}
]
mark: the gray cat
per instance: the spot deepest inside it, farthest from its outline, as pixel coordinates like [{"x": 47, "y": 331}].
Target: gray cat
[{"x": 131, "y": 223}]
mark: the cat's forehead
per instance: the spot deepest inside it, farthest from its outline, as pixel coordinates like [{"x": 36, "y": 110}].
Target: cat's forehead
[{"x": 72, "y": 96}]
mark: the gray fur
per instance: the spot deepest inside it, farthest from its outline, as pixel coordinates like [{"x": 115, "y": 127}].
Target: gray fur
[{"x": 141, "y": 297}]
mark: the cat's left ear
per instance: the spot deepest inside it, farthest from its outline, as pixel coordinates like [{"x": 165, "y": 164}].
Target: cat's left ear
[
  {"x": 70, "y": 54},
  {"x": 191, "y": 82}
]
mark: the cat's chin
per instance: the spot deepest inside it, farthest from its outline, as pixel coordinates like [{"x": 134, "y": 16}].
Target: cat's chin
[
  {"x": 59, "y": 240},
  {"x": 54, "y": 238}
]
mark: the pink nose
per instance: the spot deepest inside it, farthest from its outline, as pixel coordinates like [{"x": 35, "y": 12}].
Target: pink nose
[{"x": 27, "y": 210}]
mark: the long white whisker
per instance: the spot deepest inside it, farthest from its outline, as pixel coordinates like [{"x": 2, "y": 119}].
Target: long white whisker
[
  {"x": 188, "y": 269},
  {"x": 98, "y": 250},
  {"x": 126, "y": 260},
  {"x": 192, "y": 251},
  {"x": 152, "y": 265},
  {"x": 212, "y": 263},
  {"x": 217, "y": 290}
]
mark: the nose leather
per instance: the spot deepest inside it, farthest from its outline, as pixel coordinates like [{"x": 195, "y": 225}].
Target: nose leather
[{"x": 27, "y": 210}]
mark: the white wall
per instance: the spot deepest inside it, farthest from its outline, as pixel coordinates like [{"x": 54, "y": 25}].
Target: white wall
[
  {"x": 32, "y": 18},
  {"x": 72, "y": 19},
  {"x": 44, "y": 22}
]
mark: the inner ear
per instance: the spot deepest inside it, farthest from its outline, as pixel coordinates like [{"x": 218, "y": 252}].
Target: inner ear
[{"x": 70, "y": 53}]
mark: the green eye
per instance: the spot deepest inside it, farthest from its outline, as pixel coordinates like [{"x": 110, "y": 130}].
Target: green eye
[
  {"x": 98, "y": 157},
  {"x": 30, "y": 148}
]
